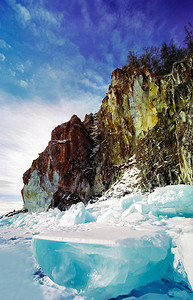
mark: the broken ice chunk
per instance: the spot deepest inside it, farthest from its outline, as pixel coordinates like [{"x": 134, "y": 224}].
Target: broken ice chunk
[
  {"x": 103, "y": 261},
  {"x": 173, "y": 200}
]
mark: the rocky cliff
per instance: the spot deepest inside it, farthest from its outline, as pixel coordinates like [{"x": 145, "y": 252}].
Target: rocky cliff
[{"x": 142, "y": 116}]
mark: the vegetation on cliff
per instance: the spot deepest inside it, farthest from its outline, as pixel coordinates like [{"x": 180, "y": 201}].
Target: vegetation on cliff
[{"x": 160, "y": 60}]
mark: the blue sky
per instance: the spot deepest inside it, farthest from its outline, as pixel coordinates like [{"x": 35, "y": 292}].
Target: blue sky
[{"x": 56, "y": 59}]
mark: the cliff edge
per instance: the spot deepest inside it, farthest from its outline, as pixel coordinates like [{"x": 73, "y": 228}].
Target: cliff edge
[{"x": 143, "y": 116}]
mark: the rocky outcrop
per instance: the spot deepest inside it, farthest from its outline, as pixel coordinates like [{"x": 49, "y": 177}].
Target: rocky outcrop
[
  {"x": 142, "y": 115},
  {"x": 63, "y": 173}
]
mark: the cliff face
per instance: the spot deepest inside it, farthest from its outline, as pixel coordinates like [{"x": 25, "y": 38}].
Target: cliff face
[{"x": 142, "y": 115}]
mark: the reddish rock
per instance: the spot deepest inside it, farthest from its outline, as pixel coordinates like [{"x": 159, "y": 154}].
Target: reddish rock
[{"x": 65, "y": 160}]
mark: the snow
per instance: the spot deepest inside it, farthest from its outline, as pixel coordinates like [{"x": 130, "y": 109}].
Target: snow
[
  {"x": 135, "y": 245},
  {"x": 185, "y": 246},
  {"x": 106, "y": 234},
  {"x": 15, "y": 277}
]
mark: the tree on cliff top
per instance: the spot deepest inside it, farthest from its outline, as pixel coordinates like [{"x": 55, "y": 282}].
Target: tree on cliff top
[
  {"x": 160, "y": 60},
  {"x": 189, "y": 36},
  {"x": 169, "y": 55}
]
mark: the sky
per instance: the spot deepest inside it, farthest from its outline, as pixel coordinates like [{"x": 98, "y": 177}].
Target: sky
[{"x": 56, "y": 60}]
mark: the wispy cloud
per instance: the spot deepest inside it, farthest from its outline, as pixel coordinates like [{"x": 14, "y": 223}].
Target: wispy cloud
[
  {"x": 58, "y": 66},
  {"x": 94, "y": 81},
  {"x": 47, "y": 16},
  {"x": 23, "y": 13},
  {"x": 87, "y": 20},
  {"x": 4, "y": 44},
  {"x": 20, "y": 68},
  {"x": 2, "y": 57},
  {"x": 36, "y": 14},
  {"x": 23, "y": 83},
  {"x": 25, "y": 129},
  {"x": 6, "y": 207}
]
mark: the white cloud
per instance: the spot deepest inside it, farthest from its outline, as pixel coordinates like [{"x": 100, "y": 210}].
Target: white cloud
[
  {"x": 43, "y": 23},
  {"x": 70, "y": 79},
  {"x": 2, "y": 57},
  {"x": 7, "y": 206},
  {"x": 23, "y": 83},
  {"x": 88, "y": 24},
  {"x": 12, "y": 72},
  {"x": 47, "y": 16},
  {"x": 25, "y": 129},
  {"x": 93, "y": 85},
  {"x": 4, "y": 44},
  {"x": 52, "y": 38},
  {"x": 20, "y": 68},
  {"x": 23, "y": 12}
]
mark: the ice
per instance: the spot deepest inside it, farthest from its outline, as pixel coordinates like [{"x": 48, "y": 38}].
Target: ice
[
  {"x": 174, "y": 200},
  {"x": 103, "y": 261},
  {"x": 185, "y": 248},
  {"x": 77, "y": 214},
  {"x": 176, "y": 295},
  {"x": 115, "y": 210},
  {"x": 118, "y": 243}
]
